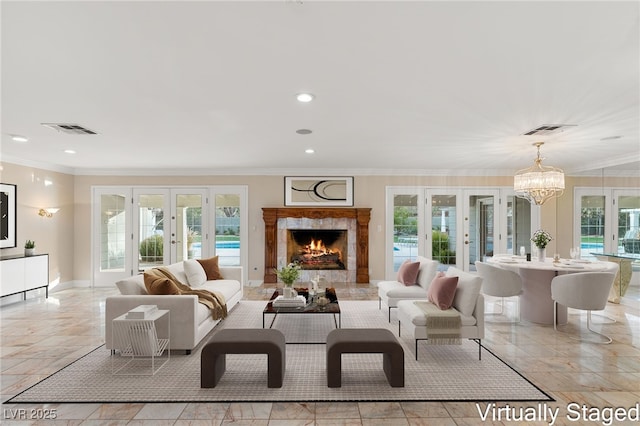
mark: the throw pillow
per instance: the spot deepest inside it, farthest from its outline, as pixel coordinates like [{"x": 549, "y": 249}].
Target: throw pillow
[
  {"x": 211, "y": 268},
  {"x": 159, "y": 285},
  {"x": 408, "y": 273},
  {"x": 427, "y": 271},
  {"x": 132, "y": 286},
  {"x": 467, "y": 291},
  {"x": 194, "y": 272},
  {"x": 442, "y": 291}
]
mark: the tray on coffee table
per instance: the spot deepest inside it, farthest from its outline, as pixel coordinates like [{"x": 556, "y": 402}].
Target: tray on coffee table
[{"x": 310, "y": 308}]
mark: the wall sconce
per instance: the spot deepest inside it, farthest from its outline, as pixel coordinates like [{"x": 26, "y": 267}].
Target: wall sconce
[{"x": 47, "y": 212}]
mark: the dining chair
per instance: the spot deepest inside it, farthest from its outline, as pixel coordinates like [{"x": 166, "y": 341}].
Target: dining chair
[
  {"x": 582, "y": 290},
  {"x": 499, "y": 282}
]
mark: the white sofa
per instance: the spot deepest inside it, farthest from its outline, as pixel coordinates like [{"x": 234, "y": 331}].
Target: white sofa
[
  {"x": 391, "y": 292},
  {"x": 468, "y": 301},
  {"x": 190, "y": 321}
]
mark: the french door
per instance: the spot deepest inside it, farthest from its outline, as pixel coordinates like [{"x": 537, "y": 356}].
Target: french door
[
  {"x": 464, "y": 225},
  {"x": 137, "y": 228},
  {"x": 168, "y": 225},
  {"x": 607, "y": 220},
  {"x": 455, "y": 226}
]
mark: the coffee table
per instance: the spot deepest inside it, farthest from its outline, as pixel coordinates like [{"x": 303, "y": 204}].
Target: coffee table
[{"x": 311, "y": 308}]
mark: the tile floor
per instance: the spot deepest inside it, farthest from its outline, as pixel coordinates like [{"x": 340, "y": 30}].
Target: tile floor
[{"x": 39, "y": 336}]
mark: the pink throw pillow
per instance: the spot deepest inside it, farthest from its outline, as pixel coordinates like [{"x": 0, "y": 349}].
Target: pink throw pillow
[
  {"x": 442, "y": 291},
  {"x": 408, "y": 272}
]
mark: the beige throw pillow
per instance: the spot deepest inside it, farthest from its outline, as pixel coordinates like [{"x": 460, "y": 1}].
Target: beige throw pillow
[{"x": 196, "y": 276}]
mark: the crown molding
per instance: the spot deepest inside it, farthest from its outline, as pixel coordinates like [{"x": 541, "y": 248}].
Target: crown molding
[{"x": 592, "y": 169}]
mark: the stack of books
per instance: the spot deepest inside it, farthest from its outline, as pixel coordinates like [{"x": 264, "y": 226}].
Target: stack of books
[
  {"x": 289, "y": 302},
  {"x": 142, "y": 312}
]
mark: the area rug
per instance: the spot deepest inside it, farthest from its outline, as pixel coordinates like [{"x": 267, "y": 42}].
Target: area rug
[{"x": 442, "y": 373}]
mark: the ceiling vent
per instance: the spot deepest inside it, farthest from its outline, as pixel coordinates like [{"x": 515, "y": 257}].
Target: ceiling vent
[
  {"x": 72, "y": 129},
  {"x": 548, "y": 129}
]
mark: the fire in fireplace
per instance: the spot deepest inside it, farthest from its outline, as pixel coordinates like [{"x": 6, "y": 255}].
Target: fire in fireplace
[{"x": 317, "y": 249}]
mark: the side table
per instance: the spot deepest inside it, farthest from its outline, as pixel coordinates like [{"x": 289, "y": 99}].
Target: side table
[{"x": 139, "y": 341}]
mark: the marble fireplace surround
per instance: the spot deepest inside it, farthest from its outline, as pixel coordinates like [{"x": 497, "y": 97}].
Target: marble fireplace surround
[{"x": 277, "y": 220}]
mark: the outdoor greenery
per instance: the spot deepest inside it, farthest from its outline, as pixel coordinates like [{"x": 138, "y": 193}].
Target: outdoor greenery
[
  {"x": 230, "y": 237},
  {"x": 405, "y": 220},
  {"x": 440, "y": 248},
  {"x": 151, "y": 248}
]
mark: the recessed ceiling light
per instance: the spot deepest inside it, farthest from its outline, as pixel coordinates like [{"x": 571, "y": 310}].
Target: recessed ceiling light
[
  {"x": 309, "y": 151},
  {"x": 304, "y": 97},
  {"x": 19, "y": 138},
  {"x": 69, "y": 151},
  {"x": 303, "y": 131}
]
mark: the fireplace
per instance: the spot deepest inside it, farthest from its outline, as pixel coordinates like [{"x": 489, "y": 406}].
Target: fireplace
[
  {"x": 354, "y": 222},
  {"x": 318, "y": 249}
]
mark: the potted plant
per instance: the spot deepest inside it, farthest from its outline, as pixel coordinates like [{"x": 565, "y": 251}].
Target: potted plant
[
  {"x": 540, "y": 239},
  {"x": 288, "y": 274},
  {"x": 191, "y": 237},
  {"x": 29, "y": 248}
]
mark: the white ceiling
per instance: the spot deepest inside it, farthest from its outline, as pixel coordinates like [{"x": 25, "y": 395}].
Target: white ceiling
[{"x": 401, "y": 87}]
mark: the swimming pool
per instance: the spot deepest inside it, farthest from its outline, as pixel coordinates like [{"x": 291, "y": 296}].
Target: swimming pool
[
  {"x": 591, "y": 245},
  {"x": 227, "y": 244},
  {"x": 219, "y": 245}
]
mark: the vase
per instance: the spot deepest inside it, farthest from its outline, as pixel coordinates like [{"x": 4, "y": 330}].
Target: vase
[
  {"x": 542, "y": 254},
  {"x": 288, "y": 292},
  {"x": 29, "y": 251}
]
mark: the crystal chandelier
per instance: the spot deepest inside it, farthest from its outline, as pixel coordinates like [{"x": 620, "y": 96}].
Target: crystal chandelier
[{"x": 539, "y": 183}]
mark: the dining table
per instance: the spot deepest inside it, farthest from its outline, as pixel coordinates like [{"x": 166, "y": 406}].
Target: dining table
[{"x": 536, "y": 304}]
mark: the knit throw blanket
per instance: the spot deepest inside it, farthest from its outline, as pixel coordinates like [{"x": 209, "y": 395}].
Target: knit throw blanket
[
  {"x": 443, "y": 327},
  {"x": 213, "y": 300}
]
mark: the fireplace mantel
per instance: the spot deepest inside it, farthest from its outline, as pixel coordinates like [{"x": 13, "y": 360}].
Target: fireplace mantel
[{"x": 271, "y": 216}]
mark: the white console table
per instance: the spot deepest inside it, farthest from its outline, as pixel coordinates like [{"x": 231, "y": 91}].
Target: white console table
[
  {"x": 140, "y": 341},
  {"x": 19, "y": 274}
]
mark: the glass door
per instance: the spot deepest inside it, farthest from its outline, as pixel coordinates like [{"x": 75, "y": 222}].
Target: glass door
[
  {"x": 627, "y": 204},
  {"x": 229, "y": 225},
  {"x": 517, "y": 220},
  {"x": 480, "y": 225},
  {"x": 457, "y": 226},
  {"x": 188, "y": 222},
  {"x": 137, "y": 228},
  {"x": 442, "y": 234},
  {"x": 463, "y": 226},
  {"x": 152, "y": 228},
  {"x": 112, "y": 246},
  {"x": 404, "y": 227},
  {"x": 609, "y": 221}
]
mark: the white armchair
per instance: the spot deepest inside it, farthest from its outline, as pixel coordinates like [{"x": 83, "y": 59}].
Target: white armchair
[
  {"x": 584, "y": 290},
  {"x": 499, "y": 282}
]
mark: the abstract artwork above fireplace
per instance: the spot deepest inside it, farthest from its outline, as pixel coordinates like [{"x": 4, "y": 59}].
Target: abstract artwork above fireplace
[{"x": 318, "y": 191}]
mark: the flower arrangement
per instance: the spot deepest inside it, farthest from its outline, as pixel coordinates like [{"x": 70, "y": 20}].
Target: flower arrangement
[
  {"x": 288, "y": 274},
  {"x": 191, "y": 235},
  {"x": 541, "y": 238}
]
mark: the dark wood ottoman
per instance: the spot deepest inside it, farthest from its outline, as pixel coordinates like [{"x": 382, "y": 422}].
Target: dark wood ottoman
[
  {"x": 243, "y": 341},
  {"x": 364, "y": 340}
]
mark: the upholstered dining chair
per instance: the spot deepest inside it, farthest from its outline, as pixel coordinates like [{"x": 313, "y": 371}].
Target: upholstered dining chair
[
  {"x": 499, "y": 282},
  {"x": 583, "y": 290}
]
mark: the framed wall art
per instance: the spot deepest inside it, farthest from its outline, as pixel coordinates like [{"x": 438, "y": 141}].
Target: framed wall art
[
  {"x": 7, "y": 215},
  {"x": 318, "y": 191}
]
